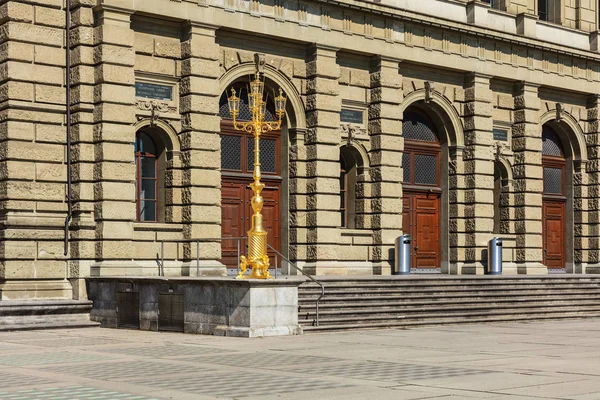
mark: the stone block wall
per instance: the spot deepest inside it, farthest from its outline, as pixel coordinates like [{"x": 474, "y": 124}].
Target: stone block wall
[{"x": 32, "y": 152}]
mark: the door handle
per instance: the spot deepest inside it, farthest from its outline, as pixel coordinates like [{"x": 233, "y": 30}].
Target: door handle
[{"x": 416, "y": 248}]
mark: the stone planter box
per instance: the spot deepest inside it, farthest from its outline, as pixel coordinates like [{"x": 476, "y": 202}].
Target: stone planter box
[{"x": 211, "y": 306}]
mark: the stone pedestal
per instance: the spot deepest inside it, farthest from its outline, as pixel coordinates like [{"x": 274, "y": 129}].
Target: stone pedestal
[{"x": 211, "y": 306}]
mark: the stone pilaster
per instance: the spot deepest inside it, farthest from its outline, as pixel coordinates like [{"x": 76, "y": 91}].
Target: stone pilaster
[
  {"x": 32, "y": 153},
  {"x": 590, "y": 227},
  {"x": 114, "y": 169},
  {"x": 478, "y": 168},
  {"x": 528, "y": 180},
  {"x": 385, "y": 127},
  {"x": 297, "y": 187},
  {"x": 82, "y": 226},
  {"x": 322, "y": 141},
  {"x": 200, "y": 141}
]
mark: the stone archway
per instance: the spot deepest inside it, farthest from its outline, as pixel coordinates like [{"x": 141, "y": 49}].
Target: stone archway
[
  {"x": 451, "y": 138},
  {"x": 569, "y": 156}
]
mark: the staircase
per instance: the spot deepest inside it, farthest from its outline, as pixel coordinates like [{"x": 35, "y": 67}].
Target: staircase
[
  {"x": 394, "y": 301},
  {"x": 45, "y": 314}
]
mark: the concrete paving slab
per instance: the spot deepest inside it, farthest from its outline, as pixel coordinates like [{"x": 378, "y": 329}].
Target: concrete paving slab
[{"x": 547, "y": 360}]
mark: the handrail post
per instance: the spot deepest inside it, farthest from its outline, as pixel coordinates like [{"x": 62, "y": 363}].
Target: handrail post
[
  {"x": 276, "y": 258},
  {"x": 197, "y": 258},
  {"x": 162, "y": 257}
]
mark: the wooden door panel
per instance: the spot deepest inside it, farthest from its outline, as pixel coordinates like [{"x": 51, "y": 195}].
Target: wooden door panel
[
  {"x": 554, "y": 234},
  {"x": 420, "y": 213},
  {"x": 427, "y": 232},
  {"x": 233, "y": 219}
]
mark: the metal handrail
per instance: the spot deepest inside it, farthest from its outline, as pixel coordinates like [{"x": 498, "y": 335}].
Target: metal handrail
[
  {"x": 309, "y": 277},
  {"x": 239, "y": 239},
  {"x": 197, "y": 241}
]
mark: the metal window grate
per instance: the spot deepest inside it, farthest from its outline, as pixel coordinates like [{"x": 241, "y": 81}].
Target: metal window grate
[
  {"x": 551, "y": 145},
  {"x": 425, "y": 169},
  {"x": 128, "y": 310},
  {"x": 231, "y": 148},
  {"x": 416, "y": 127},
  {"x": 553, "y": 180},
  {"x": 406, "y": 167},
  {"x": 268, "y": 155},
  {"x": 170, "y": 312}
]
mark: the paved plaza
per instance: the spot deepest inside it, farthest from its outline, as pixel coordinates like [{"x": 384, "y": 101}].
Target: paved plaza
[{"x": 546, "y": 360}]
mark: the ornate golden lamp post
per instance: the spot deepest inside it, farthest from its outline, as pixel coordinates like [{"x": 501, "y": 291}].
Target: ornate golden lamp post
[{"x": 257, "y": 235}]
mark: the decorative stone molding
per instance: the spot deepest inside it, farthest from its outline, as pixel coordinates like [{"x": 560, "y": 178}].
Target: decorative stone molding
[
  {"x": 155, "y": 108},
  {"x": 352, "y": 131}
]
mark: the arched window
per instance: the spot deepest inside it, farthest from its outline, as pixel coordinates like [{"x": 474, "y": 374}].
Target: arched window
[
  {"x": 146, "y": 178},
  {"x": 348, "y": 179}
]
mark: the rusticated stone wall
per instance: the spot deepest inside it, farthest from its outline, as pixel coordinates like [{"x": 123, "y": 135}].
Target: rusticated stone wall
[{"x": 369, "y": 57}]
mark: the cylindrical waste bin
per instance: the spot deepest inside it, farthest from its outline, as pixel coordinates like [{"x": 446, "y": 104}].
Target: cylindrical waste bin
[
  {"x": 494, "y": 266},
  {"x": 402, "y": 255}
]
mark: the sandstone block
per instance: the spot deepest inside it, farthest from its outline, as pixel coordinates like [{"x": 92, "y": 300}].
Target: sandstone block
[
  {"x": 29, "y": 33},
  {"x": 113, "y": 34},
  {"x": 16, "y": 51},
  {"x": 49, "y": 17},
  {"x": 17, "y": 91},
  {"x": 115, "y": 191},
  {"x": 164, "y": 66},
  {"x": 112, "y": 54},
  {"x": 13, "y": 11}
]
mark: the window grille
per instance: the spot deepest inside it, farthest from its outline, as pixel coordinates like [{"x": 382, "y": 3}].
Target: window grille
[
  {"x": 551, "y": 145},
  {"x": 406, "y": 167},
  {"x": 268, "y": 155},
  {"x": 425, "y": 169},
  {"x": 231, "y": 150},
  {"x": 553, "y": 180},
  {"x": 417, "y": 127}
]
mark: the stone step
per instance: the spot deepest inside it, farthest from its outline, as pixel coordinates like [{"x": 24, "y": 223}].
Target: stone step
[
  {"x": 45, "y": 314},
  {"x": 483, "y": 295},
  {"x": 446, "y": 302},
  {"x": 447, "y": 321},
  {"x": 358, "y": 303},
  {"x": 458, "y": 286},
  {"x": 450, "y": 309},
  {"x": 443, "y": 314}
]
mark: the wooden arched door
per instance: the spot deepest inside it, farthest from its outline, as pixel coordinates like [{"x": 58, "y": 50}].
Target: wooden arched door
[
  {"x": 421, "y": 189},
  {"x": 554, "y": 200},
  {"x": 237, "y": 164}
]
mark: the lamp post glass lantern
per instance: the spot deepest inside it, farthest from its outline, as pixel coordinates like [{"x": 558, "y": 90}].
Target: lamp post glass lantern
[{"x": 257, "y": 257}]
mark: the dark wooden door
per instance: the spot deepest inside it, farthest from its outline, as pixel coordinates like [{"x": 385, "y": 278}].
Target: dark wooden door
[
  {"x": 553, "y": 221},
  {"x": 421, "y": 219}
]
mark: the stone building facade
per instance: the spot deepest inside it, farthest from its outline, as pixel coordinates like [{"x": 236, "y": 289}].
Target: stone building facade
[{"x": 453, "y": 121}]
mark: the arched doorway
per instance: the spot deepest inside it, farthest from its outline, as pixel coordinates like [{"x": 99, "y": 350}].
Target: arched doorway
[
  {"x": 421, "y": 185},
  {"x": 237, "y": 163},
  {"x": 554, "y": 200}
]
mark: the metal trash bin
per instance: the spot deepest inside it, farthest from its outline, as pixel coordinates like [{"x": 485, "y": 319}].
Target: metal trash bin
[
  {"x": 402, "y": 255},
  {"x": 494, "y": 265}
]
